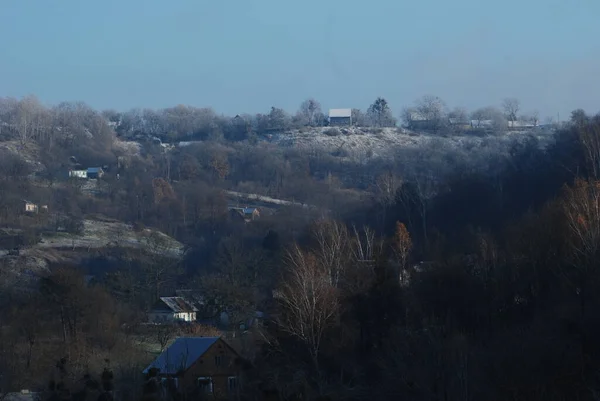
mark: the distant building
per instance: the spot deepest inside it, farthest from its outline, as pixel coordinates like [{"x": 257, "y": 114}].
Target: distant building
[
  {"x": 488, "y": 124},
  {"x": 521, "y": 124},
  {"x": 170, "y": 309},
  {"x": 460, "y": 123},
  {"x": 78, "y": 174},
  {"x": 248, "y": 214},
  {"x": 95, "y": 172},
  {"x": 31, "y": 207},
  {"x": 339, "y": 117}
]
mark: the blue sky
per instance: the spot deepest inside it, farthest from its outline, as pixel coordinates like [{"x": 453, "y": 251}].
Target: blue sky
[{"x": 248, "y": 55}]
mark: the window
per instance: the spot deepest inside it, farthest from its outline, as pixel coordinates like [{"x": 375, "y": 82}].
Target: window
[
  {"x": 205, "y": 385},
  {"x": 167, "y": 382},
  {"x": 232, "y": 383},
  {"x": 218, "y": 360}
]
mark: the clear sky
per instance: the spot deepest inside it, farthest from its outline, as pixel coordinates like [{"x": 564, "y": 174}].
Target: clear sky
[{"x": 247, "y": 55}]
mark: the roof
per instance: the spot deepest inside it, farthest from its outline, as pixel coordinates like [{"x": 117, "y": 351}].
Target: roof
[
  {"x": 181, "y": 354},
  {"x": 178, "y": 304},
  {"x": 416, "y": 116},
  {"x": 192, "y": 297},
  {"x": 244, "y": 210},
  {"x": 340, "y": 113},
  {"x": 482, "y": 123},
  {"x": 94, "y": 169}
]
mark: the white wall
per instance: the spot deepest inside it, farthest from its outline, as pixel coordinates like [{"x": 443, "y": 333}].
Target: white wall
[
  {"x": 160, "y": 317},
  {"x": 78, "y": 173}
]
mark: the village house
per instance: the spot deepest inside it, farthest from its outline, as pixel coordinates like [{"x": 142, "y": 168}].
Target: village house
[
  {"x": 95, "y": 172},
  {"x": 91, "y": 173},
  {"x": 487, "y": 124},
  {"x": 340, "y": 117},
  {"x": 31, "y": 207},
  {"x": 248, "y": 214},
  {"x": 199, "y": 368},
  {"x": 78, "y": 174},
  {"x": 521, "y": 124},
  {"x": 171, "y": 309}
]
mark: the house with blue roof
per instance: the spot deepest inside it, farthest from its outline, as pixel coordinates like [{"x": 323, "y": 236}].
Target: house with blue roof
[
  {"x": 95, "y": 172},
  {"x": 247, "y": 213},
  {"x": 199, "y": 368}
]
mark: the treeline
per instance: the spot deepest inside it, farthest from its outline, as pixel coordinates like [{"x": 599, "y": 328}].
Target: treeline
[
  {"x": 484, "y": 292},
  {"x": 29, "y": 119}
]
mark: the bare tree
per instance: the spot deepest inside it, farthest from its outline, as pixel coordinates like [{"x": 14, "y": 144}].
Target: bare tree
[
  {"x": 408, "y": 116},
  {"x": 220, "y": 165},
  {"x": 511, "y": 107},
  {"x": 401, "y": 246},
  {"x": 162, "y": 266},
  {"x": 458, "y": 118},
  {"x": 365, "y": 246},
  {"x": 433, "y": 110},
  {"x": 386, "y": 187},
  {"x": 8, "y": 108},
  {"x": 358, "y": 118},
  {"x": 309, "y": 303},
  {"x": 489, "y": 118},
  {"x": 581, "y": 205},
  {"x": 310, "y": 112},
  {"x": 414, "y": 197},
  {"x": 28, "y": 121},
  {"x": 535, "y": 118},
  {"x": 164, "y": 333},
  {"x": 331, "y": 248},
  {"x": 589, "y": 137}
]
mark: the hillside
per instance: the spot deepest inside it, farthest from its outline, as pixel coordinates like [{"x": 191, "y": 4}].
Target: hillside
[
  {"x": 358, "y": 144},
  {"x": 63, "y": 247}
]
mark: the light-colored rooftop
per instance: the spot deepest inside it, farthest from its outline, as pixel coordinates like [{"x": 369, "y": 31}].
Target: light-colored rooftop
[{"x": 340, "y": 113}]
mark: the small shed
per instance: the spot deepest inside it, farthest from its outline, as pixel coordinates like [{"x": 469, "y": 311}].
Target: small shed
[
  {"x": 95, "y": 172},
  {"x": 340, "y": 117},
  {"x": 30, "y": 207}
]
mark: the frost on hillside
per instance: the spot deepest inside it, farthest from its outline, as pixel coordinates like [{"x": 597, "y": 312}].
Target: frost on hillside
[
  {"x": 99, "y": 234},
  {"x": 385, "y": 142},
  {"x": 407, "y": 148}
]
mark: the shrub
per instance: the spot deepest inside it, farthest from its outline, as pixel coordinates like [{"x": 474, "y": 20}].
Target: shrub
[{"x": 332, "y": 132}]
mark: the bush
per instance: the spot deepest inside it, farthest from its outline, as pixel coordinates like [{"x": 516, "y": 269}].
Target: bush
[{"x": 332, "y": 132}]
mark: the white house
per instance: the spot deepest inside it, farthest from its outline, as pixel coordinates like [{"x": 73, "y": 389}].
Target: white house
[
  {"x": 78, "y": 173},
  {"x": 170, "y": 309},
  {"x": 31, "y": 207}
]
